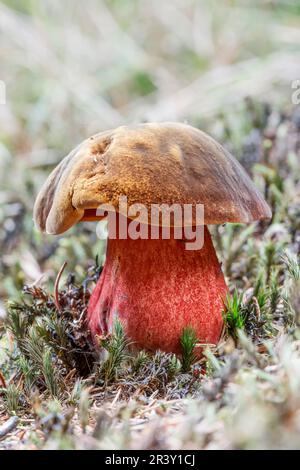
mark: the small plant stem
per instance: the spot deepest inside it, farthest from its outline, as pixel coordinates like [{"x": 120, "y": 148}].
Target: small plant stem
[{"x": 56, "y": 287}]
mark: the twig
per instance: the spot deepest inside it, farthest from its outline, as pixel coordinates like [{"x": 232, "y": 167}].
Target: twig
[
  {"x": 56, "y": 286},
  {"x": 7, "y": 427},
  {"x": 2, "y": 380},
  {"x": 70, "y": 375},
  {"x": 116, "y": 397},
  {"x": 257, "y": 308}
]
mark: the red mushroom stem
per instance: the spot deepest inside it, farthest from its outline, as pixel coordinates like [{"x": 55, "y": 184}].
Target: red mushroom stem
[{"x": 157, "y": 288}]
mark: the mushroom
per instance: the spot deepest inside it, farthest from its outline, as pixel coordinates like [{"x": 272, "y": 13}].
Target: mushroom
[{"x": 156, "y": 287}]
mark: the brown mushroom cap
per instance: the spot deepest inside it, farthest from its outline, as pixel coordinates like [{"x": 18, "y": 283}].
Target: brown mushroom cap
[{"x": 151, "y": 163}]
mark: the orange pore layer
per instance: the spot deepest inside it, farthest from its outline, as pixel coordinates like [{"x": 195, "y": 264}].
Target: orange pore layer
[{"x": 157, "y": 288}]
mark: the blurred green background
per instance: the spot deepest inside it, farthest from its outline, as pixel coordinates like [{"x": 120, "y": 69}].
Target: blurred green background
[{"x": 74, "y": 68}]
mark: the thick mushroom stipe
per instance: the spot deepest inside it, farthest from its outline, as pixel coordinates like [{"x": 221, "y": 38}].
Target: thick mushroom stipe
[{"x": 156, "y": 288}]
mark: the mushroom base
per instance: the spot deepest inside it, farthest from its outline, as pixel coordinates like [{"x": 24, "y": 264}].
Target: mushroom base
[{"x": 157, "y": 288}]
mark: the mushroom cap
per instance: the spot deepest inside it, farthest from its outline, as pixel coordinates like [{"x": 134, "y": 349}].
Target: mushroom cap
[{"x": 153, "y": 163}]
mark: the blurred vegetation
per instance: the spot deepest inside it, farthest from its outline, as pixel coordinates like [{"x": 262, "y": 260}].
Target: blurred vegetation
[{"x": 225, "y": 67}]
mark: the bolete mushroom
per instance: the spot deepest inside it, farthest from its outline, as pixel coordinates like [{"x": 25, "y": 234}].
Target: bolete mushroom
[{"x": 156, "y": 287}]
